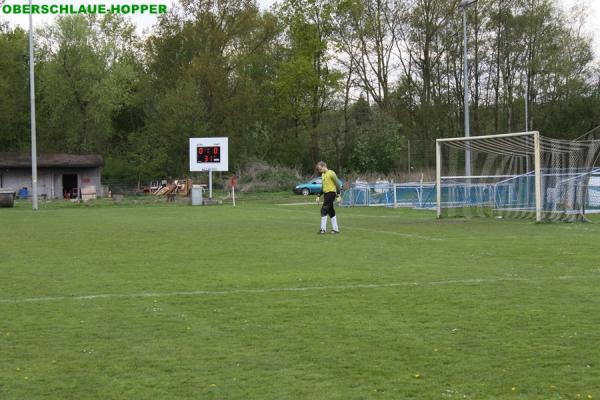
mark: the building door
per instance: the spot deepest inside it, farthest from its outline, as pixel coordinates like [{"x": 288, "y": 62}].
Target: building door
[{"x": 70, "y": 187}]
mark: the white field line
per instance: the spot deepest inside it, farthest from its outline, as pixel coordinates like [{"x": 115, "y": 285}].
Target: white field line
[
  {"x": 295, "y": 204},
  {"x": 404, "y": 235},
  {"x": 400, "y": 234},
  {"x": 352, "y": 215},
  {"x": 317, "y": 207},
  {"x": 205, "y": 293},
  {"x": 352, "y": 228}
]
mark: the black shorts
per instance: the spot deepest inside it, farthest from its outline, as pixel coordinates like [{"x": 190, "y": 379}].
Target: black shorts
[{"x": 328, "y": 201}]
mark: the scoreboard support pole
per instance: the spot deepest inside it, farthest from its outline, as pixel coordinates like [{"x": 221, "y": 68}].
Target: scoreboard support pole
[{"x": 210, "y": 184}]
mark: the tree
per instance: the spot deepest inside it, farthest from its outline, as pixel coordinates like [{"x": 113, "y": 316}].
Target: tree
[
  {"x": 86, "y": 74},
  {"x": 306, "y": 82},
  {"x": 14, "y": 89}
]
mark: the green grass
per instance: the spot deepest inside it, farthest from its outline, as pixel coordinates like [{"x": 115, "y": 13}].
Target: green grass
[{"x": 475, "y": 308}]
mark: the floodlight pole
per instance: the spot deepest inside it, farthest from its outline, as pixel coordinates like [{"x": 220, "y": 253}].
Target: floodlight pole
[
  {"x": 34, "y": 188},
  {"x": 526, "y": 102},
  {"x": 464, "y": 4}
]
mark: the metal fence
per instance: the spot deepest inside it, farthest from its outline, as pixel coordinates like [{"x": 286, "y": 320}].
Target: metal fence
[
  {"x": 385, "y": 194},
  {"x": 510, "y": 194}
]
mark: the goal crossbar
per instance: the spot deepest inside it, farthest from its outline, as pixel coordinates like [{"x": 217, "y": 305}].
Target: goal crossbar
[{"x": 499, "y": 136}]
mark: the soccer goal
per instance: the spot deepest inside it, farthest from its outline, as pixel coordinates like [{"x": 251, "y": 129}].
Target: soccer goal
[{"x": 516, "y": 175}]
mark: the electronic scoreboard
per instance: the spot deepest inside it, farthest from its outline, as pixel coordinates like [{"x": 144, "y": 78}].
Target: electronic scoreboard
[{"x": 209, "y": 154}]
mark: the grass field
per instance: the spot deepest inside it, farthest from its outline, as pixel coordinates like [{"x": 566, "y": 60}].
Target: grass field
[{"x": 176, "y": 302}]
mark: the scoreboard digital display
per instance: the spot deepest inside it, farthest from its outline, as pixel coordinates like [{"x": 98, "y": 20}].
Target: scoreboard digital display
[{"x": 208, "y": 154}]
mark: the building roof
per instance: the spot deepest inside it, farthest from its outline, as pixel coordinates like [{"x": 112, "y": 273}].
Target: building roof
[{"x": 58, "y": 160}]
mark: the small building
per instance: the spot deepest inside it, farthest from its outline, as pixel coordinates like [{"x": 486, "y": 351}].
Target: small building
[{"x": 59, "y": 175}]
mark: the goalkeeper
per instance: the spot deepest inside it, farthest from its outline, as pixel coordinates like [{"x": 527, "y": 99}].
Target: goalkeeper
[{"x": 331, "y": 192}]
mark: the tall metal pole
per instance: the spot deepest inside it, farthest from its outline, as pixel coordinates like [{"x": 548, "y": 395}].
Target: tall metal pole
[
  {"x": 34, "y": 188},
  {"x": 526, "y": 102},
  {"x": 466, "y": 96},
  {"x": 409, "y": 160}
]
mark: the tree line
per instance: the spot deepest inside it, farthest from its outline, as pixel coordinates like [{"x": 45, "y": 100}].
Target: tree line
[{"x": 350, "y": 81}]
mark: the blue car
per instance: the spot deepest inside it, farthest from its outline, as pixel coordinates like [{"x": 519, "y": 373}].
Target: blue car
[{"x": 312, "y": 186}]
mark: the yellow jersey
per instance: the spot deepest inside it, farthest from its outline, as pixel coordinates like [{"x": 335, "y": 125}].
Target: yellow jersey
[{"x": 330, "y": 181}]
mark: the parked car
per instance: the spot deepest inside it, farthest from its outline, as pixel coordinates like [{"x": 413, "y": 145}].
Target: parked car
[{"x": 312, "y": 186}]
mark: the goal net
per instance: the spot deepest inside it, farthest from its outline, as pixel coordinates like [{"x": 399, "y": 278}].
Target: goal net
[{"x": 517, "y": 175}]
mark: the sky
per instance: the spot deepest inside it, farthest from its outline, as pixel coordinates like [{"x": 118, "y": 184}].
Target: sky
[
  {"x": 592, "y": 27},
  {"x": 145, "y": 22}
]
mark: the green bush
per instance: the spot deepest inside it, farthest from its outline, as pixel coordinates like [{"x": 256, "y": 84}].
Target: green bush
[{"x": 259, "y": 176}]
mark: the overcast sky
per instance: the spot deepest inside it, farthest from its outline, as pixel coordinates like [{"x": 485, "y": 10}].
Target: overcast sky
[{"x": 145, "y": 22}]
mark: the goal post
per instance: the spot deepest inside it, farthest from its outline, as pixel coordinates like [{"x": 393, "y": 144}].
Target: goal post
[
  {"x": 522, "y": 175},
  {"x": 538, "y": 177},
  {"x": 438, "y": 178}
]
